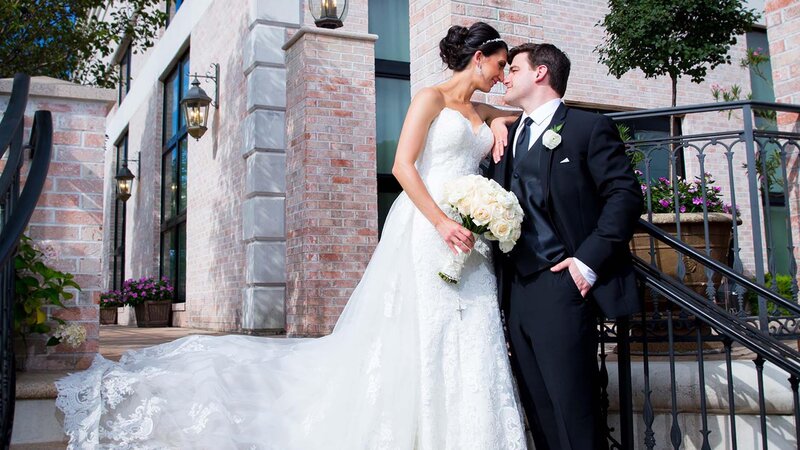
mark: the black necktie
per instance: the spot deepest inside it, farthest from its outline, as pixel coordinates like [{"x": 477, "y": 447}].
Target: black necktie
[{"x": 523, "y": 139}]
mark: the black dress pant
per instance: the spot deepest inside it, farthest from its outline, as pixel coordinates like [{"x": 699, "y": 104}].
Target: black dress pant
[{"x": 553, "y": 333}]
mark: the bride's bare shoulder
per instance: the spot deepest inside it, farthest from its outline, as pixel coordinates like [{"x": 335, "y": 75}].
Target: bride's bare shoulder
[{"x": 429, "y": 97}]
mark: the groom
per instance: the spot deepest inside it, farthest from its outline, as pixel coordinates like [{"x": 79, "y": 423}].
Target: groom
[{"x": 569, "y": 170}]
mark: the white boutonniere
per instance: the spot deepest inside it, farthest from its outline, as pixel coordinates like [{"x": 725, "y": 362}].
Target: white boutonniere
[{"x": 551, "y": 139}]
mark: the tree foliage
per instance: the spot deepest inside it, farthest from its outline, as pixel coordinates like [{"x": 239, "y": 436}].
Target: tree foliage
[
  {"x": 74, "y": 39},
  {"x": 672, "y": 37}
]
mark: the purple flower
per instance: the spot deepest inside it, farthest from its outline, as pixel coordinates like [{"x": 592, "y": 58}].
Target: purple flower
[
  {"x": 664, "y": 202},
  {"x": 697, "y": 201},
  {"x": 683, "y": 209}
]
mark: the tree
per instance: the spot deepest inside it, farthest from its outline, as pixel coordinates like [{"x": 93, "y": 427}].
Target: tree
[
  {"x": 74, "y": 39},
  {"x": 671, "y": 37}
]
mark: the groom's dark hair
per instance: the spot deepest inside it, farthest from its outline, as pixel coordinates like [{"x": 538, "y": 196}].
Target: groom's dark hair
[{"x": 549, "y": 55}]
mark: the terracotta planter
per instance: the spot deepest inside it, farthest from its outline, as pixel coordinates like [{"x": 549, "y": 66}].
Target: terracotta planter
[
  {"x": 108, "y": 316},
  {"x": 692, "y": 233},
  {"x": 153, "y": 313}
]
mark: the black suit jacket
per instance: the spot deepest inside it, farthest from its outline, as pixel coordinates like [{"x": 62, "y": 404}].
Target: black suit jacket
[{"x": 593, "y": 201}]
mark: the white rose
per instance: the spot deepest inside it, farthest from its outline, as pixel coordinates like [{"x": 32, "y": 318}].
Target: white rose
[
  {"x": 516, "y": 233},
  {"x": 505, "y": 200},
  {"x": 481, "y": 215},
  {"x": 551, "y": 139},
  {"x": 506, "y": 246},
  {"x": 501, "y": 229}
]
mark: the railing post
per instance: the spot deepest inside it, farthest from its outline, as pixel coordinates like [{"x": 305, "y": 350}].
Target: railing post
[
  {"x": 625, "y": 385},
  {"x": 755, "y": 208}
]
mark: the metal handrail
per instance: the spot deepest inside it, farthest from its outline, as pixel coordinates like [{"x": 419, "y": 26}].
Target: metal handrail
[
  {"x": 703, "y": 107},
  {"x": 15, "y": 111},
  {"x": 17, "y": 209},
  {"x": 685, "y": 249},
  {"x": 42, "y": 145},
  {"x": 723, "y": 322}
]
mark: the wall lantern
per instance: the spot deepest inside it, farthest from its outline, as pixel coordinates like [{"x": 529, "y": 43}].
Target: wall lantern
[
  {"x": 195, "y": 104},
  {"x": 124, "y": 179},
  {"x": 328, "y": 13}
]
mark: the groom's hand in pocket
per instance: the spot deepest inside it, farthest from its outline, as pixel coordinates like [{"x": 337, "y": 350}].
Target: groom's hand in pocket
[{"x": 580, "y": 282}]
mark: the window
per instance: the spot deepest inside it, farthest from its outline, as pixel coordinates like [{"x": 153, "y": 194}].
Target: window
[
  {"x": 651, "y": 128},
  {"x": 118, "y": 226},
  {"x": 172, "y": 7},
  {"x": 173, "y": 180},
  {"x": 389, "y": 19},
  {"x": 124, "y": 74}
]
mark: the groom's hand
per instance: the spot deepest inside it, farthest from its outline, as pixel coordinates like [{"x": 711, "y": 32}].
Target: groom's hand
[{"x": 577, "y": 277}]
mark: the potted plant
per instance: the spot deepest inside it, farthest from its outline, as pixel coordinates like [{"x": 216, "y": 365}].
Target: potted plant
[
  {"x": 109, "y": 302},
  {"x": 690, "y": 200},
  {"x": 151, "y": 299},
  {"x": 39, "y": 291}
]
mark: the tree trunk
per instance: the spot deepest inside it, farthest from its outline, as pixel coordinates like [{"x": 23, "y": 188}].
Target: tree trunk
[{"x": 673, "y": 120}]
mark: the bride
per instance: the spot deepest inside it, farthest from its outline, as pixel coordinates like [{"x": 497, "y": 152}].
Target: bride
[{"x": 413, "y": 362}]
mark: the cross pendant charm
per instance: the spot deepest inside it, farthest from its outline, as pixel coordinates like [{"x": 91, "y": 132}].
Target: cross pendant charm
[{"x": 460, "y": 310}]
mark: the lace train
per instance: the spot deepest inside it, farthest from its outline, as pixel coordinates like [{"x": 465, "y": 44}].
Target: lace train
[{"x": 403, "y": 369}]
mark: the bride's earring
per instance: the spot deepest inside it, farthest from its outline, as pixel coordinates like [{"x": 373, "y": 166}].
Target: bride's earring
[{"x": 479, "y": 70}]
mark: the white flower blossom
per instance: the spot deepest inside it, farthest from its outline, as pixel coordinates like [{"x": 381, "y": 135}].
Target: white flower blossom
[{"x": 72, "y": 334}]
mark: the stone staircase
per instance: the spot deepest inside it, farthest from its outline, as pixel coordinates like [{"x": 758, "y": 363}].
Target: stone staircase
[
  {"x": 779, "y": 405},
  {"x": 38, "y": 425}
]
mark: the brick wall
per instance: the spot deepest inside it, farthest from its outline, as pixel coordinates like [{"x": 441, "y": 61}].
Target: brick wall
[
  {"x": 68, "y": 220},
  {"x": 331, "y": 192},
  {"x": 214, "y": 248}
]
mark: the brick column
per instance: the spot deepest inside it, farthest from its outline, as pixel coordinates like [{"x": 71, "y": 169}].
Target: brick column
[
  {"x": 331, "y": 184},
  {"x": 68, "y": 220},
  {"x": 783, "y": 31}
]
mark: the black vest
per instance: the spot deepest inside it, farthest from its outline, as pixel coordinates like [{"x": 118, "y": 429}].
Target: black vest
[{"x": 541, "y": 238}]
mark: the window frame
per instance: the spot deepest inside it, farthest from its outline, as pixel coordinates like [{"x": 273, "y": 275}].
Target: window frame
[
  {"x": 120, "y": 211},
  {"x": 124, "y": 74},
  {"x": 171, "y": 225}
]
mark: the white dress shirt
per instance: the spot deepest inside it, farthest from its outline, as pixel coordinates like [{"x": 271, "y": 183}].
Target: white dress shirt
[{"x": 542, "y": 116}]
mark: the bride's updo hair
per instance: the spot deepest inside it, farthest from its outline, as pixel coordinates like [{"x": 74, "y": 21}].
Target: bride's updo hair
[{"x": 457, "y": 48}]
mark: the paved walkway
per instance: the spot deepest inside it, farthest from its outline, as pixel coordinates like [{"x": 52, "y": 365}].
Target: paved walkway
[{"x": 116, "y": 339}]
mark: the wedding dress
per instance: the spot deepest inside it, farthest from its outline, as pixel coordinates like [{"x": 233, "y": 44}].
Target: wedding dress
[{"x": 413, "y": 362}]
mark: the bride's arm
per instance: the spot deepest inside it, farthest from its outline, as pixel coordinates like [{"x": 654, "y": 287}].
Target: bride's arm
[
  {"x": 425, "y": 106},
  {"x": 498, "y": 120}
]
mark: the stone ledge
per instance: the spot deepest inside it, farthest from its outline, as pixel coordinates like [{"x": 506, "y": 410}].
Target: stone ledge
[
  {"x": 326, "y": 32},
  {"x": 53, "y": 87}
]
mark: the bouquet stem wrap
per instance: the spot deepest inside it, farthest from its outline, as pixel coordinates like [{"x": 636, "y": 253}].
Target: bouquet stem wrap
[{"x": 451, "y": 272}]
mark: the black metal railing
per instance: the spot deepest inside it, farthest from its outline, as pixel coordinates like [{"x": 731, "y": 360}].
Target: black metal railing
[
  {"x": 748, "y": 171},
  {"x": 712, "y": 361},
  {"x": 16, "y": 209}
]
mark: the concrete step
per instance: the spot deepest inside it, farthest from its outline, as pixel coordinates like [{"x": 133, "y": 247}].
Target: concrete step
[
  {"x": 40, "y": 446},
  {"x": 37, "y": 422}
]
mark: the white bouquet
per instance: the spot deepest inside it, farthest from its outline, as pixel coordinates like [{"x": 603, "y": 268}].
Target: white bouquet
[{"x": 484, "y": 208}]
